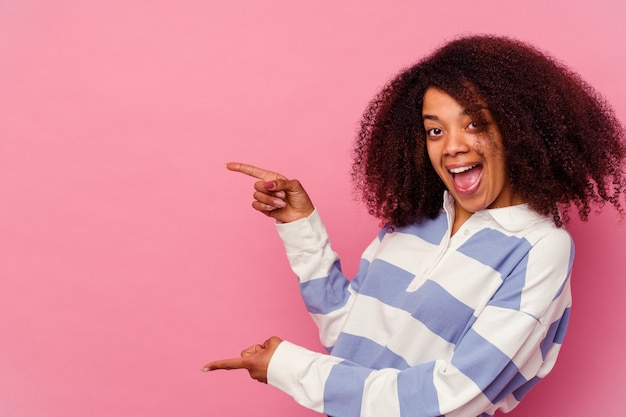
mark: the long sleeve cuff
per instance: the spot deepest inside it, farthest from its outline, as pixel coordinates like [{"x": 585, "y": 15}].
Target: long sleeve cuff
[
  {"x": 293, "y": 367},
  {"x": 303, "y": 235}
]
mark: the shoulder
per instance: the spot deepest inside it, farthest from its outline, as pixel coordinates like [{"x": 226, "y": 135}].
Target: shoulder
[
  {"x": 519, "y": 236},
  {"x": 523, "y": 222}
]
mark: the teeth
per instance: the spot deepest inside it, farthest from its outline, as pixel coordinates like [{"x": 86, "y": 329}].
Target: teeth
[{"x": 461, "y": 169}]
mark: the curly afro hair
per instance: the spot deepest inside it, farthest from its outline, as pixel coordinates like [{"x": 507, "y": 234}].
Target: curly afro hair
[{"x": 563, "y": 144}]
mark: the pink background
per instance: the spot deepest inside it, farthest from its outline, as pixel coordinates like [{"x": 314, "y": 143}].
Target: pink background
[{"x": 129, "y": 256}]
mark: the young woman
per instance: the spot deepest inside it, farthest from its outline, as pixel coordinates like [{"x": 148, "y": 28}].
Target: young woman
[{"x": 473, "y": 159}]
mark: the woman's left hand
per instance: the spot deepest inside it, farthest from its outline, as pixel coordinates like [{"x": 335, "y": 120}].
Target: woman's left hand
[{"x": 255, "y": 359}]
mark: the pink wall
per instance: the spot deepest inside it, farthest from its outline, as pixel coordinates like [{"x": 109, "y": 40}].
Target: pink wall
[{"x": 129, "y": 256}]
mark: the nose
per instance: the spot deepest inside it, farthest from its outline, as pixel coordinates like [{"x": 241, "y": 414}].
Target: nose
[{"x": 455, "y": 143}]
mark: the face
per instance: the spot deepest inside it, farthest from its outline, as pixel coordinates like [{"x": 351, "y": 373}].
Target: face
[{"x": 467, "y": 156}]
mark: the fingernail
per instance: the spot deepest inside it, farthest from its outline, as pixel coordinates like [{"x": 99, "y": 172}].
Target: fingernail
[
  {"x": 279, "y": 203},
  {"x": 268, "y": 185},
  {"x": 205, "y": 369}
]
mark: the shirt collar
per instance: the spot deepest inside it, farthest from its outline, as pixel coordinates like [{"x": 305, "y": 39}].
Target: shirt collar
[{"x": 512, "y": 218}]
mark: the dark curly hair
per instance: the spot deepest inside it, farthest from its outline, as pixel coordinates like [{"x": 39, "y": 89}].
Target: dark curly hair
[{"x": 563, "y": 144}]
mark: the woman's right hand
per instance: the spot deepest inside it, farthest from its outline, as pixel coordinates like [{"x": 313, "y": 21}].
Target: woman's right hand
[{"x": 276, "y": 196}]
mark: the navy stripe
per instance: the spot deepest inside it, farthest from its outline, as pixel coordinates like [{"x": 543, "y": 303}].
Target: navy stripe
[
  {"x": 430, "y": 231},
  {"x": 523, "y": 390},
  {"x": 509, "y": 295},
  {"x": 561, "y": 288},
  {"x": 431, "y": 304},
  {"x": 493, "y": 248},
  {"x": 343, "y": 391},
  {"x": 555, "y": 334},
  {"x": 382, "y": 232},
  {"x": 493, "y": 373},
  {"x": 441, "y": 312},
  {"x": 417, "y": 393},
  {"x": 367, "y": 353},
  {"x": 387, "y": 282},
  {"x": 507, "y": 381},
  {"x": 356, "y": 282},
  {"x": 562, "y": 329},
  {"x": 324, "y": 295},
  {"x": 506, "y": 254}
]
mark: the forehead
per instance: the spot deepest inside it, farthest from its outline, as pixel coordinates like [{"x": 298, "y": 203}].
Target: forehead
[{"x": 437, "y": 103}]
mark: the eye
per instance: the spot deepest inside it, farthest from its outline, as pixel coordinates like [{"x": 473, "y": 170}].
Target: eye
[
  {"x": 434, "y": 132},
  {"x": 477, "y": 127}
]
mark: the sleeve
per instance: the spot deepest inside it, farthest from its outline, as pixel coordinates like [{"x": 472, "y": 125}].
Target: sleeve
[
  {"x": 506, "y": 351},
  {"x": 327, "y": 292}
]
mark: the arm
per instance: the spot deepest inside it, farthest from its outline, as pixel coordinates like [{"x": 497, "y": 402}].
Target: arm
[
  {"x": 325, "y": 289},
  {"x": 504, "y": 353},
  {"x": 287, "y": 202},
  {"x": 327, "y": 292}
]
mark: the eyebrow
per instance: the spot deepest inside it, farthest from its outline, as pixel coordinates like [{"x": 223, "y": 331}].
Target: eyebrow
[{"x": 463, "y": 113}]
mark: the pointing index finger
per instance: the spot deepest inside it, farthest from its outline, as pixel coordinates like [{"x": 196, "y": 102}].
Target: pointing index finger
[
  {"x": 228, "y": 364},
  {"x": 253, "y": 171}
]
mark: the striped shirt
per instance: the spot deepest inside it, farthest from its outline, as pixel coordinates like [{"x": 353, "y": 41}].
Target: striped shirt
[{"x": 432, "y": 324}]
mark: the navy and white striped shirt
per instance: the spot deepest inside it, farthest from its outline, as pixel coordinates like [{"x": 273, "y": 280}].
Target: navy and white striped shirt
[{"x": 432, "y": 324}]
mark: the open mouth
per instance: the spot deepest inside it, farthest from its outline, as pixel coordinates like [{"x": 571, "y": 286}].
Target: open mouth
[{"x": 466, "y": 179}]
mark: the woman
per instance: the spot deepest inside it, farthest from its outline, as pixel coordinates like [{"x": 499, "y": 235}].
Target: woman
[{"x": 472, "y": 158}]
